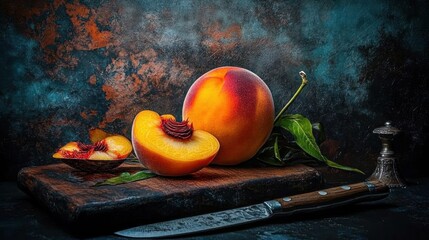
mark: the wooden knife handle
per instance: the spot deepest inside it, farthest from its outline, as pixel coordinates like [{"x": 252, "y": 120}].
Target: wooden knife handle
[{"x": 329, "y": 198}]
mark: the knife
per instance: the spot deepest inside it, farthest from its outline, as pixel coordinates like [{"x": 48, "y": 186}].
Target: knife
[{"x": 301, "y": 203}]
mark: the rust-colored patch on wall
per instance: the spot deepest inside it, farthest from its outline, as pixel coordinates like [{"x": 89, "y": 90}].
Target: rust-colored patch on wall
[
  {"x": 136, "y": 74},
  {"x": 119, "y": 91},
  {"x": 109, "y": 91},
  {"x": 221, "y": 40},
  {"x": 99, "y": 38},
  {"x": 93, "y": 80},
  {"x": 180, "y": 73},
  {"x": 151, "y": 78},
  {"x": 88, "y": 114},
  {"x": 88, "y": 36},
  {"x": 38, "y": 20},
  {"x": 122, "y": 91},
  {"x": 77, "y": 12},
  {"x": 138, "y": 84},
  {"x": 154, "y": 71},
  {"x": 49, "y": 33}
]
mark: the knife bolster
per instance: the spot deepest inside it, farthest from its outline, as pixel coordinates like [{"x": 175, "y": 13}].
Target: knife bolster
[{"x": 273, "y": 206}]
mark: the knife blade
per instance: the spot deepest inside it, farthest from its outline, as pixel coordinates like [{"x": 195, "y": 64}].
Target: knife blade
[{"x": 286, "y": 206}]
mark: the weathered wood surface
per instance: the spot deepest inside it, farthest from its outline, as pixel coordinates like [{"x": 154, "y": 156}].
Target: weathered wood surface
[{"x": 70, "y": 196}]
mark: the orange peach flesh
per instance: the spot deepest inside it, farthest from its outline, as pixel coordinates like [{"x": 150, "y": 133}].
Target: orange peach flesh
[
  {"x": 69, "y": 147},
  {"x": 234, "y": 105},
  {"x": 166, "y": 155},
  {"x": 118, "y": 146},
  {"x": 96, "y": 135}
]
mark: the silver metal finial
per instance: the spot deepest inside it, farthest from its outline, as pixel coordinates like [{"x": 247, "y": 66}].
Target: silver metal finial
[
  {"x": 387, "y": 169},
  {"x": 387, "y": 129}
]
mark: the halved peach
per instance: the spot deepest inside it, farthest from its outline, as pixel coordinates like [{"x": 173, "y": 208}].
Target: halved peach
[
  {"x": 110, "y": 148},
  {"x": 171, "y": 148}
]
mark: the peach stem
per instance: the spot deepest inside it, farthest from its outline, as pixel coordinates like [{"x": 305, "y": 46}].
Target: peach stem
[{"x": 303, "y": 84}]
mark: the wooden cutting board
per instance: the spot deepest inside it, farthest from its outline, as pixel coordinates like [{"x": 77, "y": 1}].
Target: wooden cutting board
[{"x": 70, "y": 195}]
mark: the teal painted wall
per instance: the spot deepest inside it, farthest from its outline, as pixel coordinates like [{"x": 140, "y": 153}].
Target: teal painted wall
[{"x": 67, "y": 66}]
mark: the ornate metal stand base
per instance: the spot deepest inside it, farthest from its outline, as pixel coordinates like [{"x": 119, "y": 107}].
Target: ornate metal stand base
[{"x": 387, "y": 170}]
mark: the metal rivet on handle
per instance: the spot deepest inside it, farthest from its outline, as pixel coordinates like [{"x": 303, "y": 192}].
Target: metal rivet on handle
[
  {"x": 287, "y": 199},
  {"x": 323, "y": 193},
  {"x": 371, "y": 186},
  {"x": 345, "y": 187}
]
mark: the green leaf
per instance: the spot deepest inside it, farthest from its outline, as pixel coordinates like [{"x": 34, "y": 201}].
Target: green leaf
[
  {"x": 265, "y": 155},
  {"x": 301, "y": 129},
  {"x": 126, "y": 177},
  {"x": 342, "y": 167},
  {"x": 293, "y": 154}
]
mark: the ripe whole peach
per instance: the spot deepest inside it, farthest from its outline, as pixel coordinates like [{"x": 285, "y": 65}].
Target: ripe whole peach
[{"x": 236, "y": 106}]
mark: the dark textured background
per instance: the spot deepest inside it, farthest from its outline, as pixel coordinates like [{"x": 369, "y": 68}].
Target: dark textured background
[{"x": 67, "y": 66}]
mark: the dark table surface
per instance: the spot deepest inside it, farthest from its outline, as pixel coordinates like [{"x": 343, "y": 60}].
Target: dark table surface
[{"x": 403, "y": 215}]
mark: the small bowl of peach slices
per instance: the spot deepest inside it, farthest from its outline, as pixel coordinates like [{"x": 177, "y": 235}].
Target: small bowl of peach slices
[{"x": 105, "y": 152}]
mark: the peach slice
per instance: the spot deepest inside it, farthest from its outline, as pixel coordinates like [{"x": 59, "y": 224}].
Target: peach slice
[
  {"x": 171, "y": 148},
  {"x": 234, "y": 105},
  {"x": 110, "y": 148},
  {"x": 96, "y": 135}
]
